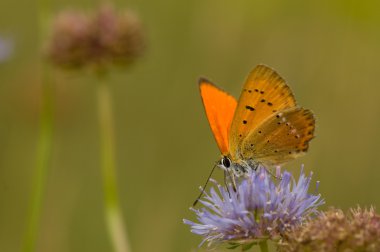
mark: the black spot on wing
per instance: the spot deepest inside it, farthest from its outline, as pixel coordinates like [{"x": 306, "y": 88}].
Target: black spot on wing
[{"x": 250, "y": 108}]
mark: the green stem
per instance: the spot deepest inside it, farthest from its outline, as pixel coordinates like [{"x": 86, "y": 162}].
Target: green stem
[
  {"x": 114, "y": 217},
  {"x": 42, "y": 162},
  {"x": 44, "y": 143},
  {"x": 263, "y": 246}
]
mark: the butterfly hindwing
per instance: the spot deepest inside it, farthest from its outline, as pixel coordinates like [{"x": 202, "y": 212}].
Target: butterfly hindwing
[
  {"x": 281, "y": 138},
  {"x": 264, "y": 94},
  {"x": 220, "y": 108}
]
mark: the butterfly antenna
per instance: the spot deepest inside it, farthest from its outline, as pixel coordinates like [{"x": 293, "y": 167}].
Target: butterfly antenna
[{"x": 204, "y": 187}]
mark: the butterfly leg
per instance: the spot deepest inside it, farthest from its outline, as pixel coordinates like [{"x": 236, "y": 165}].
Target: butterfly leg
[
  {"x": 231, "y": 177},
  {"x": 250, "y": 165},
  {"x": 226, "y": 179},
  {"x": 278, "y": 172}
]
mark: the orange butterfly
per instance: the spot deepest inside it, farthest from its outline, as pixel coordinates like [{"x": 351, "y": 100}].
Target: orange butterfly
[{"x": 265, "y": 127}]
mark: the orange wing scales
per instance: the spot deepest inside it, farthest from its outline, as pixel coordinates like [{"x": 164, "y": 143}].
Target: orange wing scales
[
  {"x": 281, "y": 138},
  {"x": 264, "y": 94},
  {"x": 220, "y": 108}
]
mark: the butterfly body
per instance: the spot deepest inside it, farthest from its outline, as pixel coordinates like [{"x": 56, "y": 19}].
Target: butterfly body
[{"x": 265, "y": 127}]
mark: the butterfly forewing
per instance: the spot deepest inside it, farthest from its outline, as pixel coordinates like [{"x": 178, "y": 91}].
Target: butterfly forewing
[
  {"x": 281, "y": 138},
  {"x": 264, "y": 94},
  {"x": 220, "y": 108}
]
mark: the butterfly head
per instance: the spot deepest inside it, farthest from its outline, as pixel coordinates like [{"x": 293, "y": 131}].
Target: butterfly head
[{"x": 238, "y": 167}]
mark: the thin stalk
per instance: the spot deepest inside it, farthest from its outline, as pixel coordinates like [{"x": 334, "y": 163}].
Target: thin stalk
[
  {"x": 114, "y": 217},
  {"x": 44, "y": 143},
  {"x": 263, "y": 246},
  {"x": 42, "y": 163}
]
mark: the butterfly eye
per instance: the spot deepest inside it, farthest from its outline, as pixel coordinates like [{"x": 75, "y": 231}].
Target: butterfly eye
[{"x": 226, "y": 162}]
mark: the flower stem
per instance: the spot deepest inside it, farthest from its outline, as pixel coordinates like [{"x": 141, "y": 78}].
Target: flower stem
[
  {"x": 114, "y": 217},
  {"x": 44, "y": 143},
  {"x": 42, "y": 162},
  {"x": 263, "y": 246}
]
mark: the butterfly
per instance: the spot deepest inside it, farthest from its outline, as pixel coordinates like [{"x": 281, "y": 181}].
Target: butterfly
[{"x": 265, "y": 127}]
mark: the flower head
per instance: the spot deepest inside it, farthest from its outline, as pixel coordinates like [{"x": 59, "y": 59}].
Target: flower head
[
  {"x": 333, "y": 230},
  {"x": 259, "y": 209},
  {"x": 69, "y": 45},
  {"x": 118, "y": 34},
  {"x": 98, "y": 39}
]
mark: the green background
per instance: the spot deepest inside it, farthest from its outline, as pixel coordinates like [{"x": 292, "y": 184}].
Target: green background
[{"x": 328, "y": 51}]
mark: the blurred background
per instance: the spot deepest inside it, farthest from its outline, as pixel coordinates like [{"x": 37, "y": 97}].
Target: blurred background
[{"x": 328, "y": 51}]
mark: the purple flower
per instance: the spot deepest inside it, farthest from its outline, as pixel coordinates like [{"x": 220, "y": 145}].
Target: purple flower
[{"x": 259, "y": 209}]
